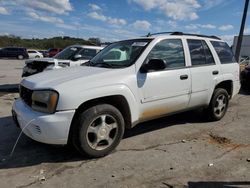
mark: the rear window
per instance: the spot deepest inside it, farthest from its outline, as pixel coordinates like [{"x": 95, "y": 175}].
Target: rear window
[
  {"x": 224, "y": 52},
  {"x": 32, "y": 52}
]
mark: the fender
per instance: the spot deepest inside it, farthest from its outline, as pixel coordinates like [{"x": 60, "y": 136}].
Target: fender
[{"x": 69, "y": 102}]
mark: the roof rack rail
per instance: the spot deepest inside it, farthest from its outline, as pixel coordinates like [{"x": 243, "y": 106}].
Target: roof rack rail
[
  {"x": 197, "y": 35},
  {"x": 181, "y": 33},
  {"x": 169, "y": 32}
]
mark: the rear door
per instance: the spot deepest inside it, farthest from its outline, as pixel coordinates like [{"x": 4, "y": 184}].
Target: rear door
[{"x": 204, "y": 72}]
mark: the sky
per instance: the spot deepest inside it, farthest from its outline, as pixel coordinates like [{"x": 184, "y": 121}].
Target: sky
[{"x": 112, "y": 20}]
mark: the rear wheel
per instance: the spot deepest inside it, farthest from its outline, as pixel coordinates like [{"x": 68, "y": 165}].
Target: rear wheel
[
  {"x": 218, "y": 104},
  {"x": 99, "y": 130},
  {"x": 37, "y": 56},
  {"x": 20, "y": 57}
]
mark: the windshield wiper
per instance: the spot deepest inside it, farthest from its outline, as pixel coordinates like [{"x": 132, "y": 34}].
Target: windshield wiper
[
  {"x": 103, "y": 64},
  {"x": 88, "y": 63},
  {"x": 107, "y": 65}
]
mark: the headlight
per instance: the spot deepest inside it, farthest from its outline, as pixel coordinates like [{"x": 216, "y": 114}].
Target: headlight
[{"x": 45, "y": 101}]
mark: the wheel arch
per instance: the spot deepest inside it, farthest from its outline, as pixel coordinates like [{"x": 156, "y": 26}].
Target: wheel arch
[
  {"x": 227, "y": 85},
  {"x": 118, "y": 101}
]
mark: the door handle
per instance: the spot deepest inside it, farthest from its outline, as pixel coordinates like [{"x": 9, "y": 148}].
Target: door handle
[
  {"x": 184, "y": 77},
  {"x": 215, "y": 72}
]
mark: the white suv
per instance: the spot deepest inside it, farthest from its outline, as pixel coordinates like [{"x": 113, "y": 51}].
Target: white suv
[
  {"x": 90, "y": 106},
  {"x": 74, "y": 55}
]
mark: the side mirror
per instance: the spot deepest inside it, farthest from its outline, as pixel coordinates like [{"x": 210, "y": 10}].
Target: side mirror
[
  {"x": 153, "y": 65},
  {"x": 77, "y": 57}
]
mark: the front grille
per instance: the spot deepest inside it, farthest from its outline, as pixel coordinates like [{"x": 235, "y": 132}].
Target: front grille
[{"x": 26, "y": 95}]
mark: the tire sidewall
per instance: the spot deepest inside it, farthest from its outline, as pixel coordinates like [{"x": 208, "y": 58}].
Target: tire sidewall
[
  {"x": 20, "y": 57},
  {"x": 87, "y": 117},
  {"x": 216, "y": 94}
]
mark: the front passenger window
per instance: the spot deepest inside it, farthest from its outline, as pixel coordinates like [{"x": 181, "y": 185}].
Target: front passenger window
[{"x": 169, "y": 50}]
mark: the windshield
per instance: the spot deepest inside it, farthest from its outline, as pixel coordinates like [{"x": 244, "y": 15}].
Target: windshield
[
  {"x": 120, "y": 54},
  {"x": 68, "y": 53}
]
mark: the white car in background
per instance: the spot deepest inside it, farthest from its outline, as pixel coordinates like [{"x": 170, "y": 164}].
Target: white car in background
[
  {"x": 34, "y": 54},
  {"x": 74, "y": 55}
]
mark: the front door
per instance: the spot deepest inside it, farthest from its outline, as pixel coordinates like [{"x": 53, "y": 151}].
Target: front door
[{"x": 168, "y": 90}]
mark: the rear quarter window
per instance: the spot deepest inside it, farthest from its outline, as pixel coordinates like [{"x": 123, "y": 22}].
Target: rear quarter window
[{"x": 224, "y": 52}]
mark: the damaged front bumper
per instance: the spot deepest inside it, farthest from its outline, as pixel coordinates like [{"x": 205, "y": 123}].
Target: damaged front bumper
[{"x": 42, "y": 127}]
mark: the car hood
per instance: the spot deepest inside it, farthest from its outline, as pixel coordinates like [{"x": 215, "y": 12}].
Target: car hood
[
  {"x": 47, "y": 60},
  {"x": 53, "y": 61},
  {"x": 69, "y": 77},
  {"x": 40, "y": 60}
]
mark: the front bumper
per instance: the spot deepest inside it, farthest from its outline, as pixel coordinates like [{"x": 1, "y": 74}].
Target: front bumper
[{"x": 45, "y": 128}]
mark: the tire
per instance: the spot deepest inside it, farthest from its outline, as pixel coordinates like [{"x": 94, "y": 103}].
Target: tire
[
  {"x": 98, "y": 130},
  {"x": 20, "y": 57},
  {"x": 37, "y": 56},
  {"x": 218, "y": 105}
]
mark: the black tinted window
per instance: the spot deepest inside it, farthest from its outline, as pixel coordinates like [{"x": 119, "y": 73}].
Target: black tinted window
[
  {"x": 171, "y": 51},
  {"x": 12, "y": 49},
  {"x": 87, "y": 53},
  {"x": 224, "y": 52},
  {"x": 208, "y": 54},
  {"x": 21, "y": 49},
  {"x": 32, "y": 52},
  {"x": 200, "y": 53}
]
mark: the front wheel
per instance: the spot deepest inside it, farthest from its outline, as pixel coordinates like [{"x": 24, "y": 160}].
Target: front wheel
[
  {"x": 218, "y": 104},
  {"x": 99, "y": 130}
]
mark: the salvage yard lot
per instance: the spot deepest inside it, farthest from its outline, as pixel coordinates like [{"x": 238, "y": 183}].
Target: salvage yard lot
[{"x": 177, "y": 151}]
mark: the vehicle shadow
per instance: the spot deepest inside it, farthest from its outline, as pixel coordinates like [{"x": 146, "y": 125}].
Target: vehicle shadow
[
  {"x": 29, "y": 152},
  {"x": 236, "y": 184},
  {"x": 10, "y": 88},
  {"x": 194, "y": 116},
  {"x": 244, "y": 91}
]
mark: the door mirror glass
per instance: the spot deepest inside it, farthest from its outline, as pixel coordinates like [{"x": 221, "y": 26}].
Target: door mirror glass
[{"x": 153, "y": 65}]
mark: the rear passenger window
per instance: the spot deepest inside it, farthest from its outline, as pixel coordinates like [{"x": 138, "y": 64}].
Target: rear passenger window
[
  {"x": 171, "y": 51},
  {"x": 224, "y": 52},
  {"x": 200, "y": 53},
  {"x": 208, "y": 54}
]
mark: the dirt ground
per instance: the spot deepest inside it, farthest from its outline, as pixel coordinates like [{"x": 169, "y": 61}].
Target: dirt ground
[{"x": 177, "y": 151}]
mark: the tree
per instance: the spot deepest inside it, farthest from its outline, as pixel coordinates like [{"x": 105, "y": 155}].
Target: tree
[{"x": 95, "y": 41}]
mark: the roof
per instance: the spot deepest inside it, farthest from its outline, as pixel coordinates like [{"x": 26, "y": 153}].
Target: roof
[{"x": 176, "y": 33}]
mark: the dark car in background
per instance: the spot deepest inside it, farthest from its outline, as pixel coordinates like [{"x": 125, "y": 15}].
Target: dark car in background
[
  {"x": 245, "y": 77},
  {"x": 14, "y": 52},
  {"x": 53, "y": 51}
]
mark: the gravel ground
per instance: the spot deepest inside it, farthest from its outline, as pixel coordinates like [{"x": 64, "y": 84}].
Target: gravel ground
[{"x": 177, "y": 151}]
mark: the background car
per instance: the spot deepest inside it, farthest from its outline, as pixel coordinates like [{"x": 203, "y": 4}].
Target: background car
[
  {"x": 71, "y": 56},
  {"x": 53, "y": 51},
  {"x": 44, "y": 52},
  {"x": 14, "y": 52},
  {"x": 34, "y": 54},
  {"x": 245, "y": 77}
]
